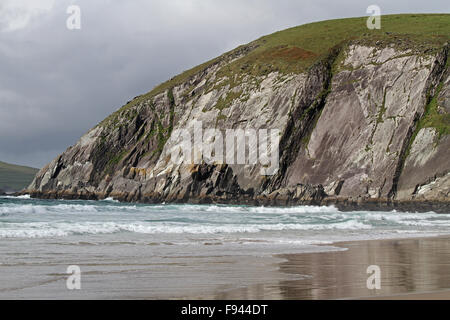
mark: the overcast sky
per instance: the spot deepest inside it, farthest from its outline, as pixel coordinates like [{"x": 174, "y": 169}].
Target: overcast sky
[{"x": 57, "y": 83}]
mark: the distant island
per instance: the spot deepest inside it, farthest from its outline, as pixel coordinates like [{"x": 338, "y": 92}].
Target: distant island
[
  {"x": 363, "y": 116},
  {"x": 14, "y": 178}
]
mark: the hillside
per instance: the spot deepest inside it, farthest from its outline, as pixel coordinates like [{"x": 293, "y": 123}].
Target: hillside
[
  {"x": 15, "y": 178},
  {"x": 363, "y": 117}
]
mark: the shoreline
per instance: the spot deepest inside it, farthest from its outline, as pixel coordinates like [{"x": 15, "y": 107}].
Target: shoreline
[
  {"x": 276, "y": 264},
  {"x": 411, "y": 269}
]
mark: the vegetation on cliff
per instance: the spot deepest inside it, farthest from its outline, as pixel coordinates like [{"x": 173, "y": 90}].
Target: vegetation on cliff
[
  {"x": 358, "y": 110},
  {"x": 296, "y": 49},
  {"x": 15, "y": 178}
]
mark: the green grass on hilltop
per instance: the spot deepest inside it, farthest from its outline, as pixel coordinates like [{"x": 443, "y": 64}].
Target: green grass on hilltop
[
  {"x": 294, "y": 50},
  {"x": 15, "y": 178}
]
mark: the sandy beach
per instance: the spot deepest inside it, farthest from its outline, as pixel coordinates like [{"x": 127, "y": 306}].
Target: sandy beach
[
  {"x": 416, "y": 268},
  {"x": 410, "y": 269}
]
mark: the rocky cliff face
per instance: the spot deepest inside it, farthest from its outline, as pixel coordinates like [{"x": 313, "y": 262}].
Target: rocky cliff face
[{"x": 367, "y": 123}]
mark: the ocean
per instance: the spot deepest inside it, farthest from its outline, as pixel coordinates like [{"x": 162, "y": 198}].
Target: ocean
[{"x": 172, "y": 250}]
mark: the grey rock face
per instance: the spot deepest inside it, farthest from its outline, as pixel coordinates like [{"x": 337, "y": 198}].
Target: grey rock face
[
  {"x": 368, "y": 118},
  {"x": 425, "y": 175},
  {"x": 349, "y": 133}
]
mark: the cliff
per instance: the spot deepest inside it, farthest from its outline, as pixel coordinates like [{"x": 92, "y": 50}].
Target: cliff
[{"x": 363, "y": 117}]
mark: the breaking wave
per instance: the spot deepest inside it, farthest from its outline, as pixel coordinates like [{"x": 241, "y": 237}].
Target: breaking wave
[{"x": 31, "y": 218}]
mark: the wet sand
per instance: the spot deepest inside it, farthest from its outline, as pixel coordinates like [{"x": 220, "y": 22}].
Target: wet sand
[
  {"x": 121, "y": 269},
  {"x": 410, "y": 269}
]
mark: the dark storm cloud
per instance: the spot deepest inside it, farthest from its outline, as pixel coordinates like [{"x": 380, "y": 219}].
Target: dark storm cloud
[{"x": 57, "y": 83}]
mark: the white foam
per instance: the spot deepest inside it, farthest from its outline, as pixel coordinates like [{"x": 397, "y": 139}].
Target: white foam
[
  {"x": 110, "y": 199},
  {"x": 277, "y": 210},
  {"x": 44, "y": 229},
  {"x": 26, "y": 196},
  {"x": 63, "y": 218},
  {"x": 43, "y": 209}
]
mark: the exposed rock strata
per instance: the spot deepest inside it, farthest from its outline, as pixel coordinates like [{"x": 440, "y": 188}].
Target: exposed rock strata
[{"x": 349, "y": 136}]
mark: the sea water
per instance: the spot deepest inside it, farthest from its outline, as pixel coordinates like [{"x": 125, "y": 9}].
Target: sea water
[
  {"x": 22, "y": 217},
  {"x": 166, "y": 250}
]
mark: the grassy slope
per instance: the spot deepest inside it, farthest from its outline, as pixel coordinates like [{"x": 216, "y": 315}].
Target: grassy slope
[
  {"x": 15, "y": 177},
  {"x": 312, "y": 41},
  {"x": 296, "y": 49}
]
